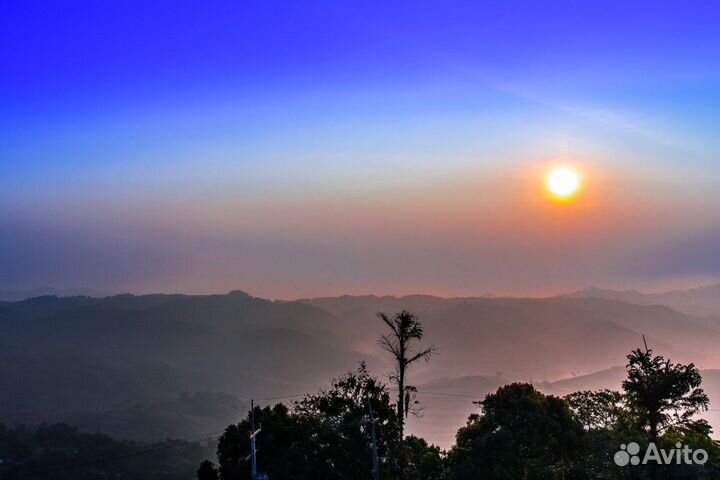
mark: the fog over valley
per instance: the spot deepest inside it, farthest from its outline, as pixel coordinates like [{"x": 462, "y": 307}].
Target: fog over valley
[{"x": 150, "y": 367}]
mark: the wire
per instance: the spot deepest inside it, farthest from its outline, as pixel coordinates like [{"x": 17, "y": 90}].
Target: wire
[{"x": 441, "y": 394}]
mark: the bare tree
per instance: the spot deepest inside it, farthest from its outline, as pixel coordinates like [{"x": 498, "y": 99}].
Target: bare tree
[{"x": 405, "y": 331}]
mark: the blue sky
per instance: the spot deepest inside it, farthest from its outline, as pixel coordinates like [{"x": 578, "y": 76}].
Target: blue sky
[{"x": 299, "y": 148}]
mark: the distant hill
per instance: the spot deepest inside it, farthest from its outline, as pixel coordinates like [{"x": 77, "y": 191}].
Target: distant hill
[
  {"x": 62, "y": 359},
  {"x": 151, "y": 366},
  {"x": 702, "y": 301},
  {"x": 62, "y": 452},
  {"x": 531, "y": 338},
  {"x": 16, "y": 295},
  {"x": 610, "y": 378},
  {"x": 560, "y": 344}
]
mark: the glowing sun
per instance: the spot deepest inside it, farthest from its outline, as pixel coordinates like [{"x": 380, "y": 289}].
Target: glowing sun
[{"x": 563, "y": 182}]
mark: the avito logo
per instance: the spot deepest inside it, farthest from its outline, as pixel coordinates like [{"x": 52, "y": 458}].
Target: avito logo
[{"x": 630, "y": 454}]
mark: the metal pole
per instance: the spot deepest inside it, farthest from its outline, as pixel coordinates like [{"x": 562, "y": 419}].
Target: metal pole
[
  {"x": 376, "y": 463},
  {"x": 252, "y": 440}
]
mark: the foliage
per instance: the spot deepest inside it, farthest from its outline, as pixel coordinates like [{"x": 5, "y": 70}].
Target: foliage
[
  {"x": 62, "y": 452},
  {"x": 342, "y": 414},
  {"x": 325, "y": 435},
  {"x": 521, "y": 434},
  {"x": 405, "y": 331},
  {"x": 207, "y": 471},
  {"x": 659, "y": 405},
  {"x": 662, "y": 394},
  {"x": 279, "y": 446},
  {"x": 422, "y": 461},
  {"x": 597, "y": 410}
]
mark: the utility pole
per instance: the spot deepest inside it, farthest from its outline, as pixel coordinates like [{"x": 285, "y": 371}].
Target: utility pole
[
  {"x": 373, "y": 437},
  {"x": 254, "y": 433}
]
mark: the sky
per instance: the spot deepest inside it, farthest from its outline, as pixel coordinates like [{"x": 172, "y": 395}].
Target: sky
[{"x": 294, "y": 149}]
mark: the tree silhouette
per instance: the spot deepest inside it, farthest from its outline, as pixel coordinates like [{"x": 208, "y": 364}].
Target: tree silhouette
[
  {"x": 207, "y": 471},
  {"x": 341, "y": 433},
  {"x": 277, "y": 445},
  {"x": 422, "y": 461},
  {"x": 62, "y": 452},
  {"x": 662, "y": 394},
  {"x": 521, "y": 434},
  {"x": 322, "y": 436},
  {"x": 405, "y": 331},
  {"x": 597, "y": 410}
]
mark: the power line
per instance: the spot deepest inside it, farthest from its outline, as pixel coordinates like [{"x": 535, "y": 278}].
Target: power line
[{"x": 442, "y": 394}]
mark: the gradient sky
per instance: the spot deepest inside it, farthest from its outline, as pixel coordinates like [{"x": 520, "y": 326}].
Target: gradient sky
[{"x": 309, "y": 148}]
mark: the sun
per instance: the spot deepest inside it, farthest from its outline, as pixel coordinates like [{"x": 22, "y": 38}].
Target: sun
[{"x": 563, "y": 182}]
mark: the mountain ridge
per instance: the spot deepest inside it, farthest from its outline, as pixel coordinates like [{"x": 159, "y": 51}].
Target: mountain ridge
[{"x": 127, "y": 353}]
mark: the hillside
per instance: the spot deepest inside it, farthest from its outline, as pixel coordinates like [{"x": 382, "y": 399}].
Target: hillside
[
  {"x": 701, "y": 301},
  {"x": 510, "y": 335},
  {"x": 147, "y": 367},
  {"x": 104, "y": 359}
]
